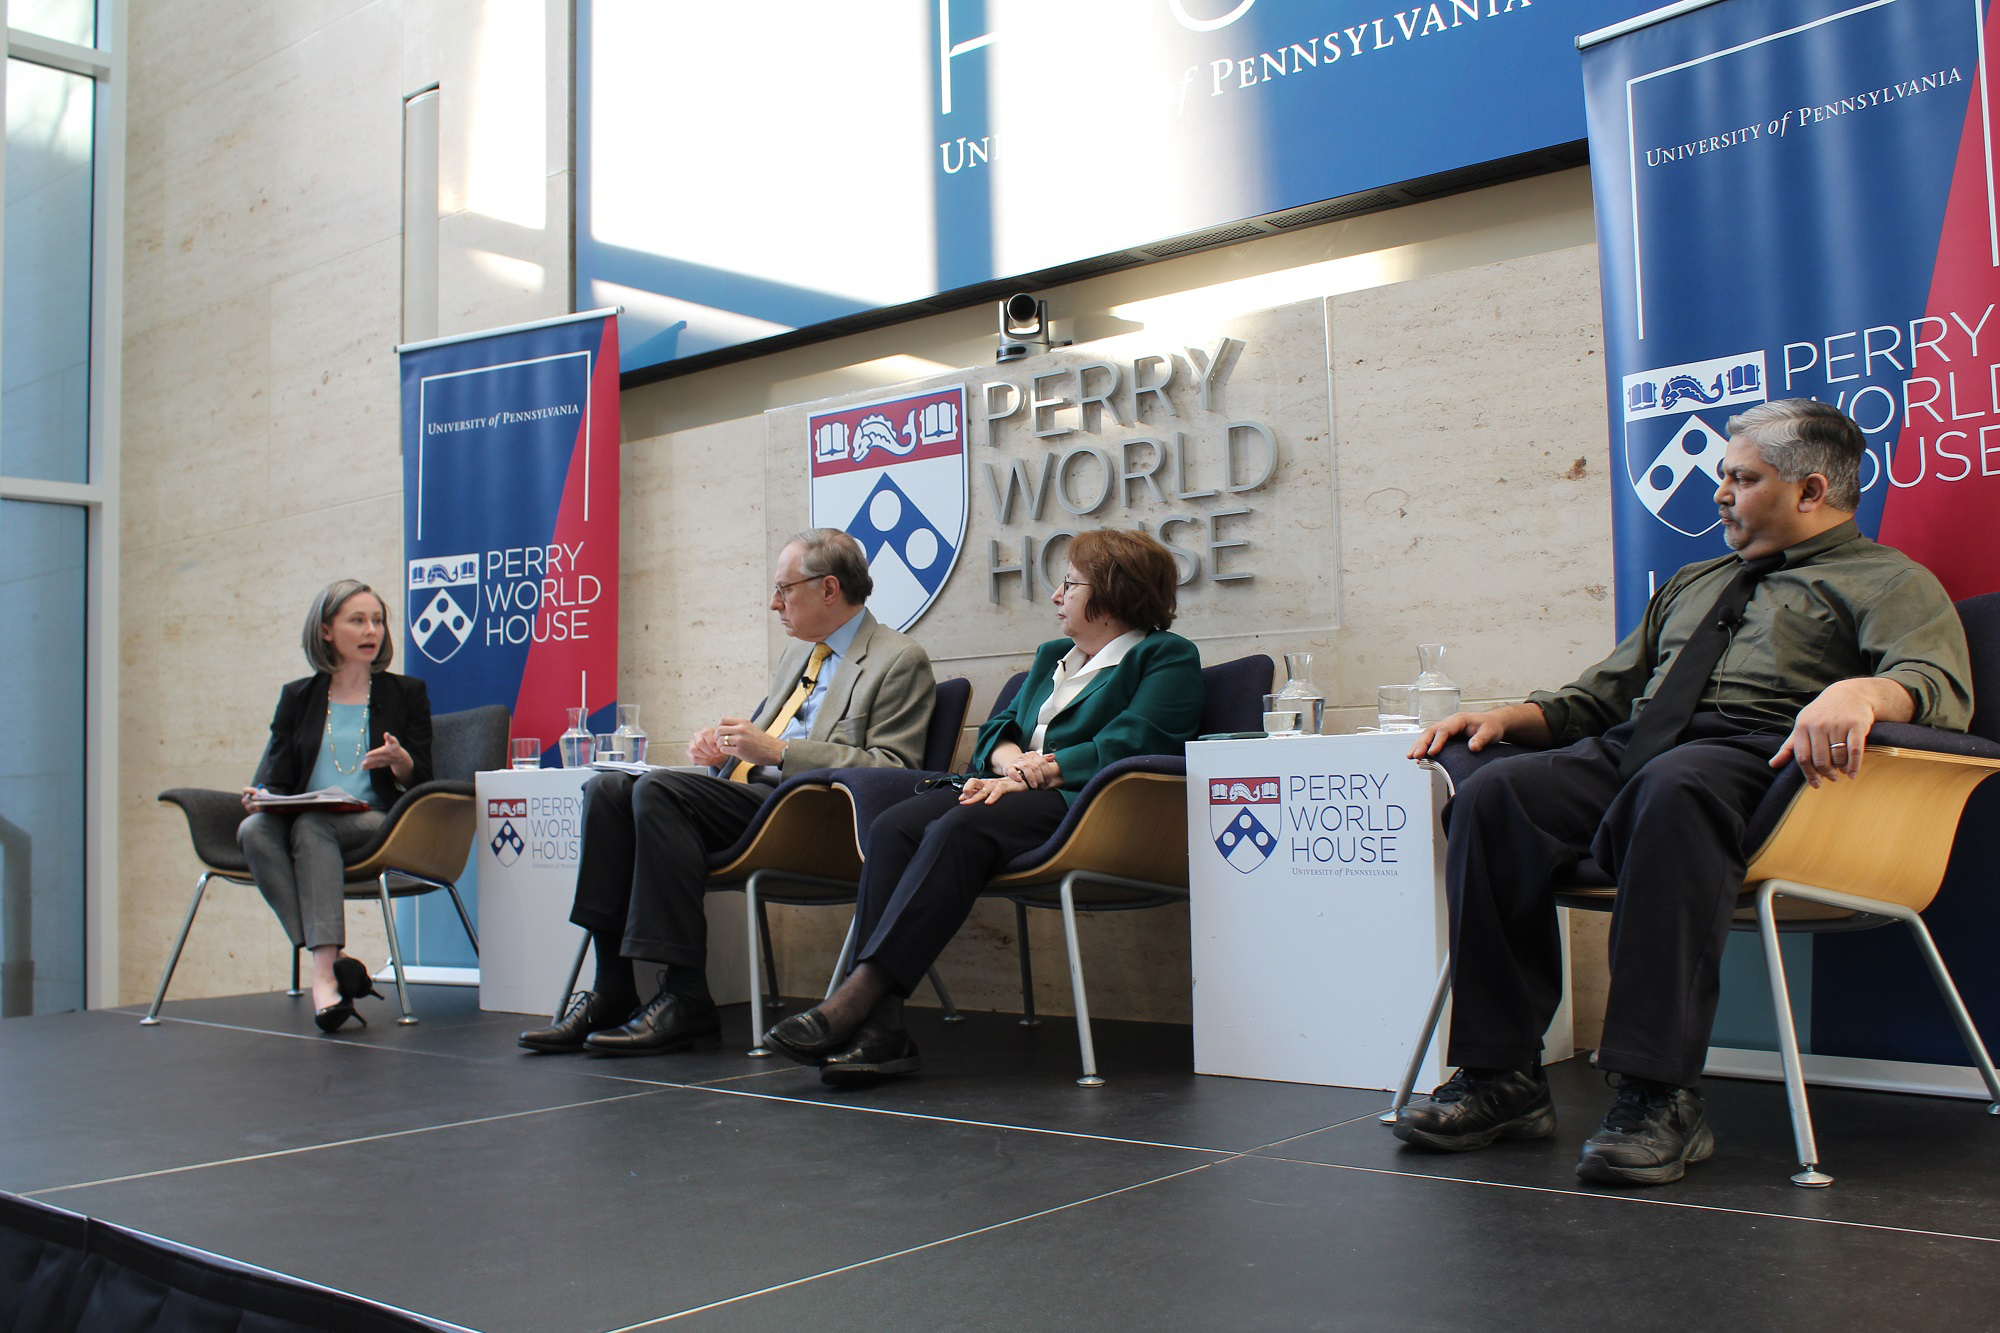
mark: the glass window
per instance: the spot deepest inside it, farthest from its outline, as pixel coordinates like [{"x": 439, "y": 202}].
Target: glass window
[
  {"x": 45, "y": 298},
  {"x": 41, "y": 758},
  {"x": 65, "y": 20}
]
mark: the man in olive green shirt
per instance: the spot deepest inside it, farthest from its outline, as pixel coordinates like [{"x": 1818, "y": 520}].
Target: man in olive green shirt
[{"x": 1794, "y": 646}]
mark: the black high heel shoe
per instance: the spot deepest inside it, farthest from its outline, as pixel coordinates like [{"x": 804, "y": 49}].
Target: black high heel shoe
[
  {"x": 333, "y": 1016},
  {"x": 351, "y": 978}
]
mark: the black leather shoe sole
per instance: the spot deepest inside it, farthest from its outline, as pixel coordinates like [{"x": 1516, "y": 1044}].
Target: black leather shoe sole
[
  {"x": 550, "y": 1043},
  {"x": 1537, "y": 1122},
  {"x": 1601, "y": 1170}
]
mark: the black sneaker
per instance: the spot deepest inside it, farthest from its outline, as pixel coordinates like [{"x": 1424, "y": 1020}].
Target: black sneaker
[
  {"x": 1477, "y": 1106},
  {"x": 1650, "y": 1135}
]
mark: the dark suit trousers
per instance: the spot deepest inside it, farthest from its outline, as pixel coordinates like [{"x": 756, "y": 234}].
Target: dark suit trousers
[
  {"x": 926, "y": 860},
  {"x": 643, "y": 866},
  {"x": 1673, "y": 839}
]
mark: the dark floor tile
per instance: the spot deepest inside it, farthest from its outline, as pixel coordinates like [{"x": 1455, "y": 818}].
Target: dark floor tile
[
  {"x": 93, "y": 1095},
  {"x": 1253, "y": 1243},
  {"x": 1898, "y": 1160},
  {"x": 991, "y": 1069},
  {"x": 604, "y": 1215}
]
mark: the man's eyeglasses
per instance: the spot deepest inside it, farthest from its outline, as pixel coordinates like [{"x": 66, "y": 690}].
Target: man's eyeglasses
[{"x": 778, "y": 591}]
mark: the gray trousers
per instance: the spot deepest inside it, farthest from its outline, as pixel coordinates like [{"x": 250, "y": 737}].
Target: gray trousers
[{"x": 296, "y": 860}]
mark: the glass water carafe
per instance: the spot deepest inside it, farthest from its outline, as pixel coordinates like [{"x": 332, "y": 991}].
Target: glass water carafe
[
  {"x": 575, "y": 745},
  {"x": 1300, "y": 690},
  {"x": 630, "y": 732},
  {"x": 1436, "y": 696}
]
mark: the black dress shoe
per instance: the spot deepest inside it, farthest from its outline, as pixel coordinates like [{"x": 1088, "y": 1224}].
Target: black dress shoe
[
  {"x": 807, "y": 1038},
  {"x": 1475, "y": 1107},
  {"x": 1650, "y": 1135},
  {"x": 875, "y": 1054},
  {"x": 667, "y": 1022},
  {"x": 588, "y": 1012},
  {"x": 330, "y": 1018}
]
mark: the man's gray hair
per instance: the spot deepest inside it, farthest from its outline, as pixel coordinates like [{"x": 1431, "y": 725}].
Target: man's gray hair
[
  {"x": 320, "y": 616},
  {"x": 830, "y": 551},
  {"x": 1801, "y": 436}
]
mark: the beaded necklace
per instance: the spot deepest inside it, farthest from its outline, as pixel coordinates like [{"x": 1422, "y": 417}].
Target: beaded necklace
[{"x": 360, "y": 743}]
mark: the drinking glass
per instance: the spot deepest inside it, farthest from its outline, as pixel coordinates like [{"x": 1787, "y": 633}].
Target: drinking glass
[
  {"x": 1281, "y": 715},
  {"x": 1396, "y": 708},
  {"x": 609, "y": 747},
  {"x": 525, "y": 752}
]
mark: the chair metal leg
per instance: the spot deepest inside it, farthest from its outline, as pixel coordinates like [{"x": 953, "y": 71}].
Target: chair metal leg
[
  {"x": 1966, "y": 1030},
  {"x": 951, "y": 1014},
  {"x": 296, "y": 990},
  {"x": 152, "y": 1018},
  {"x": 1809, "y": 1174},
  {"x": 1090, "y": 1078},
  {"x": 1028, "y": 1019},
  {"x": 845, "y": 963},
  {"x": 1429, "y": 1034},
  {"x": 773, "y": 997},
  {"x": 464, "y": 918},
  {"x": 575, "y": 972},
  {"x": 395, "y": 951},
  {"x": 754, "y": 914}
]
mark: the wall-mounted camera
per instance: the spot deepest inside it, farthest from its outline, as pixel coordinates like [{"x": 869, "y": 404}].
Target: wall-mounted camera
[{"x": 1024, "y": 324}]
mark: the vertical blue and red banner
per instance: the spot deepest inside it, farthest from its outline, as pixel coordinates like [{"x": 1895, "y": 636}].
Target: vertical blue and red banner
[
  {"x": 1796, "y": 198},
  {"x": 510, "y": 528}
]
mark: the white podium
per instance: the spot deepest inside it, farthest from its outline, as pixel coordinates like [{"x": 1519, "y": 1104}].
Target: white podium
[
  {"x": 530, "y": 836},
  {"x": 1316, "y": 881}
]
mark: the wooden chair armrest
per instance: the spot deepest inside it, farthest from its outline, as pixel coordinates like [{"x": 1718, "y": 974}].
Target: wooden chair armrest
[
  {"x": 1136, "y": 826},
  {"x": 431, "y": 838},
  {"x": 1886, "y": 835}
]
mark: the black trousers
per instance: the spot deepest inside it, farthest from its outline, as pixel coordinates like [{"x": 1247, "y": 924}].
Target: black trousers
[
  {"x": 926, "y": 860},
  {"x": 1673, "y": 839},
  {"x": 642, "y": 869}
]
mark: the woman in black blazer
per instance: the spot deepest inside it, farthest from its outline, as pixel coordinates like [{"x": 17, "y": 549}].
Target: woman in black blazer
[{"x": 352, "y": 725}]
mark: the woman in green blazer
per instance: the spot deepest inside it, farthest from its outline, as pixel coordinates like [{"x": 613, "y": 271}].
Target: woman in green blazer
[{"x": 1117, "y": 685}]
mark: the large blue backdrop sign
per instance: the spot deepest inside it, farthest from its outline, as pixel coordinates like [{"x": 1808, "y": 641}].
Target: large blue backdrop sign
[
  {"x": 1796, "y": 198},
  {"x": 851, "y": 157}
]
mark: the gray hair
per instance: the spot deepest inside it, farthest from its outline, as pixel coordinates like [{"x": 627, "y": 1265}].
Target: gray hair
[
  {"x": 827, "y": 551},
  {"x": 320, "y": 616},
  {"x": 1801, "y": 436}
]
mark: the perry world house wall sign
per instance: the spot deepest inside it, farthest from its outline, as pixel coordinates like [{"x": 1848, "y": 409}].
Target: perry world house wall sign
[
  {"x": 852, "y": 157},
  {"x": 965, "y": 492}
]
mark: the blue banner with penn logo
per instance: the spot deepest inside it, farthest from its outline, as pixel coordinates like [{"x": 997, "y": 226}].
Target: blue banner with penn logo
[
  {"x": 1796, "y": 198},
  {"x": 510, "y": 533}
]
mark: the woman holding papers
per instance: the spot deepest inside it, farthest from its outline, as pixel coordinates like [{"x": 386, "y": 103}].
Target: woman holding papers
[
  {"x": 1117, "y": 685},
  {"x": 356, "y": 735}
]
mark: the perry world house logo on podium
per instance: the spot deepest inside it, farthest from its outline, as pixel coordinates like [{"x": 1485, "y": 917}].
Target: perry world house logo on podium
[
  {"x": 1245, "y": 816},
  {"x": 892, "y": 474},
  {"x": 1674, "y": 436},
  {"x": 445, "y": 592}
]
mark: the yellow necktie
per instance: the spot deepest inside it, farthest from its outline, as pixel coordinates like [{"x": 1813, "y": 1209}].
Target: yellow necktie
[{"x": 800, "y": 692}]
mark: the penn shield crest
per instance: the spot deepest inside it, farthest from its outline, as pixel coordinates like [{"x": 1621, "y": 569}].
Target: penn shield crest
[
  {"x": 892, "y": 474},
  {"x": 1675, "y": 437},
  {"x": 445, "y": 592},
  {"x": 1245, "y": 817}
]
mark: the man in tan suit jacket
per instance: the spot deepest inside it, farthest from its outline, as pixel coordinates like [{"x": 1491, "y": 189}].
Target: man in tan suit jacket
[{"x": 865, "y": 701}]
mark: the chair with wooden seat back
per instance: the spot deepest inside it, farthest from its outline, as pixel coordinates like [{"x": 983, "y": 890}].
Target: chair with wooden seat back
[
  {"x": 1843, "y": 856},
  {"x": 421, "y": 847},
  {"x": 1123, "y": 844}
]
